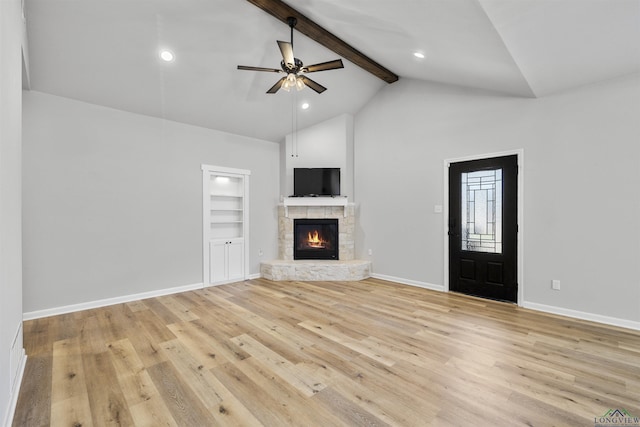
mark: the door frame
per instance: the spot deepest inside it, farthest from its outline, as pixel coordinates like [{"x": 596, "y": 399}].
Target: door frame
[{"x": 520, "y": 236}]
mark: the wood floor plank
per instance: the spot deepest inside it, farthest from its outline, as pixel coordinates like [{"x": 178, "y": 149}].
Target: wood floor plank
[
  {"x": 144, "y": 401},
  {"x": 108, "y": 404},
  {"x": 38, "y": 336},
  {"x": 179, "y": 398},
  {"x": 207, "y": 344},
  {"x": 90, "y": 335},
  {"x": 270, "y": 410},
  {"x": 394, "y": 408},
  {"x": 115, "y": 321},
  {"x": 420, "y": 397},
  {"x": 69, "y": 398},
  {"x": 533, "y": 411},
  {"x": 350, "y": 412},
  {"x": 34, "y": 401},
  {"x": 147, "y": 347},
  {"x": 135, "y": 382},
  {"x": 280, "y": 308},
  {"x": 180, "y": 310},
  {"x": 287, "y": 341},
  {"x": 294, "y": 404},
  {"x": 137, "y": 305},
  {"x": 370, "y": 353},
  {"x": 154, "y": 325},
  {"x": 282, "y": 367},
  {"x": 225, "y": 408},
  {"x": 152, "y": 413},
  {"x": 161, "y": 311},
  {"x": 65, "y": 327},
  {"x": 334, "y": 334},
  {"x": 215, "y": 318}
]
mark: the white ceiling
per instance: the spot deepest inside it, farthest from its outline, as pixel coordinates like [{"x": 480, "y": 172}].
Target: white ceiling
[{"x": 105, "y": 52}]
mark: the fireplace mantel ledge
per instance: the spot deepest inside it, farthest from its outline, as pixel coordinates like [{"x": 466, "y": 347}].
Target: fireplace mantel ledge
[{"x": 315, "y": 201}]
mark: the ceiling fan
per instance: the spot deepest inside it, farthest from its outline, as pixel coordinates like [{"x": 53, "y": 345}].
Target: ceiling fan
[{"x": 294, "y": 68}]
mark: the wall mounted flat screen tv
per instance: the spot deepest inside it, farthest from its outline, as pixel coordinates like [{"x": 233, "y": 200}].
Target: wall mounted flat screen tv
[{"x": 310, "y": 182}]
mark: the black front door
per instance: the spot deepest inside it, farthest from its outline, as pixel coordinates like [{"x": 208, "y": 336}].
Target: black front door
[{"x": 483, "y": 227}]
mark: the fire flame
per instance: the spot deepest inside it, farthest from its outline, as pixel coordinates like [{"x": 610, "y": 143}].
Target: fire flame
[{"x": 314, "y": 240}]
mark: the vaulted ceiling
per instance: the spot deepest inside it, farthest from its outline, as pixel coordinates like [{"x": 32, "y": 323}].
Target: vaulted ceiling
[{"x": 105, "y": 52}]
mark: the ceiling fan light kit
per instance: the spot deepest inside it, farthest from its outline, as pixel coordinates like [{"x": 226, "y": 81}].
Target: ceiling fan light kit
[{"x": 294, "y": 68}]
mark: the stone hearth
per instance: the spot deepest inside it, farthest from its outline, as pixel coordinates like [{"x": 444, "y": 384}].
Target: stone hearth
[
  {"x": 345, "y": 268},
  {"x": 315, "y": 270}
]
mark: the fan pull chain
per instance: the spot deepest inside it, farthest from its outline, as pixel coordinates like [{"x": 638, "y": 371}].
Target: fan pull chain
[{"x": 294, "y": 125}]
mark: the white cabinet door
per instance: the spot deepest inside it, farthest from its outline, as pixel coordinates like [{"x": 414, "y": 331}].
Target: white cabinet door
[
  {"x": 226, "y": 262},
  {"x": 235, "y": 259},
  {"x": 217, "y": 261}
]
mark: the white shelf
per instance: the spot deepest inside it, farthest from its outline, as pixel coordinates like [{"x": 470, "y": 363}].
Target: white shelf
[{"x": 315, "y": 201}]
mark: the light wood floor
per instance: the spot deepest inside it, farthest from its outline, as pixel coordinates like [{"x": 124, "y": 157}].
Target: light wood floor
[{"x": 323, "y": 354}]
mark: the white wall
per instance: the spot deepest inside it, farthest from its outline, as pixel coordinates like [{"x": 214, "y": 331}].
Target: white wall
[
  {"x": 581, "y": 203},
  {"x": 113, "y": 200},
  {"x": 326, "y": 145},
  {"x": 11, "y": 353}
]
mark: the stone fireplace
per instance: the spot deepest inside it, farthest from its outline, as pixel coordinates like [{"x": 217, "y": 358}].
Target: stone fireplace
[
  {"x": 344, "y": 215},
  {"x": 344, "y": 267}
]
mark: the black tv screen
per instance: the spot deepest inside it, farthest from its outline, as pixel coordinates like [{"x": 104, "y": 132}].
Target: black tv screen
[{"x": 316, "y": 182}]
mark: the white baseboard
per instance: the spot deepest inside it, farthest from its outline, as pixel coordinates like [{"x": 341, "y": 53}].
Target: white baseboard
[
  {"x": 613, "y": 321},
  {"x": 254, "y": 276},
  {"x": 108, "y": 301},
  {"x": 15, "y": 391},
  {"x": 409, "y": 282}
]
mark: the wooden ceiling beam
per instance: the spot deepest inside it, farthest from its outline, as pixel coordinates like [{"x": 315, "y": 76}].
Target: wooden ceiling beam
[{"x": 306, "y": 26}]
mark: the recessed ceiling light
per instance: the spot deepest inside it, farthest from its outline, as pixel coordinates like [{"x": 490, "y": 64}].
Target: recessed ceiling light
[
  {"x": 418, "y": 55},
  {"x": 305, "y": 105},
  {"x": 167, "y": 55}
]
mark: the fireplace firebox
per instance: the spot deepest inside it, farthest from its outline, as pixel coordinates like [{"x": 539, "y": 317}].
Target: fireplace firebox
[{"x": 315, "y": 238}]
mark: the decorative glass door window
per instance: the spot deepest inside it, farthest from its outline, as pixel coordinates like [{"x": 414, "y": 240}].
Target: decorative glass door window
[{"x": 482, "y": 211}]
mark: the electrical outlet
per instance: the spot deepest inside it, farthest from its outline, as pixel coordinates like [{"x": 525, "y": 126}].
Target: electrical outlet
[
  {"x": 555, "y": 285},
  {"x": 260, "y": 253},
  {"x": 370, "y": 251}
]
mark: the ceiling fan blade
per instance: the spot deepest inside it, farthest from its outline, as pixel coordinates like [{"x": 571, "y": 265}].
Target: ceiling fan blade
[
  {"x": 245, "y": 67},
  {"x": 287, "y": 52},
  {"x": 329, "y": 65},
  {"x": 313, "y": 85},
  {"x": 277, "y": 86}
]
